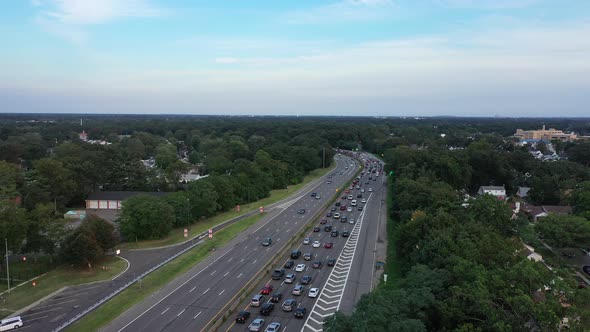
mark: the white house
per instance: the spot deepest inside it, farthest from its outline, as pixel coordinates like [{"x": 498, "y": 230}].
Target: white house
[
  {"x": 530, "y": 253},
  {"x": 113, "y": 200},
  {"x": 498, "y": 191}
]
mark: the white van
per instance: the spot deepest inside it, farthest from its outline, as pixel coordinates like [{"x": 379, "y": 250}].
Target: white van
[
  {"x": 11, "y": 323},
  {"x": 353, "y": 202}
]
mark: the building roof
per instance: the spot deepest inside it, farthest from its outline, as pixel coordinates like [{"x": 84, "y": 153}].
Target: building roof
[
  {"x": 492, "y": 188},
  {"x": 121, "y": 195},
  {"x": 523, "y": 191},
  {"x": 559, "y": 209}
]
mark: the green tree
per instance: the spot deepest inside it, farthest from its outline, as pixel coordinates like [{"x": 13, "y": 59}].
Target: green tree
[
  {"x": 165, "y": 155},
  {"x": 81, "y": 248},
  {"x": 203, "y": 198},
  {"x": 145, "y": 217},
  {"x": 581, "y": 199},
  {"x": 13, "y": 224},
  {"x": 102, "y": 230},
  {"x": 180, "y": 203},
  {"x": 10, "y": 180},
  {"x": 564, "y": 230}
]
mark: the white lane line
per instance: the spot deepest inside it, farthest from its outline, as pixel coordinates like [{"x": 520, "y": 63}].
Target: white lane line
[
  {"x": 239, "y": 276},
  {"x": 230, "y": 259},
  {"x": 205, "y": 292},
  {"x": 254, "y": 262},
  {"x": 241, "y": 260},
  {"x": 180, "y": 313},
  {"x": 163, "y": 312},
  {"x": 212, "y": 273},
  {"x": 226, "y": 273},
  {"x": 192, "y": 289},
  {"x": 127, "y": 268},
  {"x": 223, "y": 291},
  {"x": 197, "y": 315}
]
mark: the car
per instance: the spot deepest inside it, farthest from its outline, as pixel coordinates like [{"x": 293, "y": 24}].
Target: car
[
  {"x": 328, "y": 245},
  {"x": 328, "y": 228},
  {"x": 329, "y": 214},
  {"x": 316, "y": 229},
  {"x": 316, "y": 264},
  {"x": 360, "y": 208},
  {"x": 337, "y": 204},
  {"x": 316, "y": 244},
  {"x": 323, "y": 221},
  {"x": 242, "y": 317},
  {"x": 277, "y": 274},
  {"x": 273, "y": 327},
  {"x": 296, "y": 253},
  {"x": 301, "y": 211},
  {"x": 267, "y": 308},
  {"x": 568, "y": 254},
  {"x": 289, "y": 305},
  {"x": 347, "y": 191},
  {"x": 318, "y": 196},
  {"x": 336, "y": 215},
  {"x": 359, "y": 196},
  {"x": 306, "y": 279},
  {"x": 353, "y": 202},
  {"x": 300, "y": 312},
  {"x": 344, "y": 219},
  {"x": 289, "y": 264},
  {"x": 343, "y": 207},
  {"x": 333, "y": 208},
  {"x": 334, "y": 233},
  {"x": 345, "y": 234},
  {"x": 343, "y": 197},
  {"x": 257, "y": 300},
  {"x": 11, "y": 323},
  {"x": 266, "y": 290},
  {"x": 267, "y": 242},
  {"x": 331, "y": 262},
  {"x": 300, "y": 267},
  {"x": 329, "y": 182},
  {"x": 306, "y": 240},
  {"x": 349, "y": 209},
  {"x": 298, "y": 290},
  {"x": 276, "y": 297},
  {"x": 256, "y": 325},
  {"x": 313, "y": 194},
  {"x": 289, "y": 278},
  {"x": 349, "y": 197},
  {"x": 351, "y": 221},
  {"x": 313, "y": 292},
  {"x": 370, "y": 190},
  {"x": 363, "y": 190},
  {"x": 364, "y": 201},
  {"x": 307, "y": 256},
  {"x": 586, "y": 269}
]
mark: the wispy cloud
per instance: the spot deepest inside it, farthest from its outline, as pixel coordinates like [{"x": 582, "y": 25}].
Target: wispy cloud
[
  {"x": 96, "y": 11},
  {"x": 343, "y": 11},
  {"x": 487, "y": 4}
]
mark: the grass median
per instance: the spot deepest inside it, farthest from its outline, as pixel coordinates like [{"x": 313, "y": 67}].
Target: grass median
[
  {"x": 159, "y": 278},
  {"x": 177, "y": 235},
  {"x": 56, "y": 279}
]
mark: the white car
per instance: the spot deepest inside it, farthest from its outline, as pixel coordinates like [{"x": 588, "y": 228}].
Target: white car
[
  {"x": 336, "y": 215},
  {"x": 351, "y": 221},
  {"x": 316, "y": 244},
  {"x": 364, "y": 201},
  {"x": 306, "y": 240},
  {"x": 300, "y": 267},
  {"x": 313, "y": 292},
  {"x": 11, "y": 323},
  {"x": 273, "y": 327},
  {"x": 370, "y": 189},
  {"x": 349, "y": 209},
  {"x": 363, "y": 190}
]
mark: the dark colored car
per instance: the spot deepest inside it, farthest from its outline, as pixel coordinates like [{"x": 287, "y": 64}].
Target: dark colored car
[
  {"x": 289, "y": 264},
  {"x": 316, "y": 229},
  {"x": 267, "y": 242},
  {"x": 313, "y": 194},
  {"x": 328, "y": 228},
  {"x": 276, "y": 297},
  {"x": 300, "y": 312},
  {"x": 329, "y": 245},
  {"x": 342, "y": 207},
  {"x": 317, "y": 264},
  {"x": 360, "y": 208},
  {"x": 323, "y": 221},
  {"x": 301, "y": 211},
  {"x": 277, "y": 274},
  {"x": 586, "y": 269},
  {"x": 329, "y": 214},
  {"x": 242, "y": 317},
  {"x": 337, "y": 203},
  {"x": 295, "y": 254},
  {"x": 359, "y": 196},
  {"x": 306, "y": 279},
  {"x": 333, "y": 208},
  {"x": 331, "y": 262},
  {"x": 345, "y": 234},
  {"x": 334, "y": 233},
  {"x": 267, "y": 308}
]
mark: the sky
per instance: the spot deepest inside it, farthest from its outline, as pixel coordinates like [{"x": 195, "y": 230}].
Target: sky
[{"x": 513, "y": 58}]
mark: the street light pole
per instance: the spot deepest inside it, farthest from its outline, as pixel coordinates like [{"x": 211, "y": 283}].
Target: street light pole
[{"x": 7, "y": 268}]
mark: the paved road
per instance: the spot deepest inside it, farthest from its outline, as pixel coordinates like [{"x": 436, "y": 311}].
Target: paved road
[
  {"x": 193, "y": 299},
  {"x": 342, "y": 285}
]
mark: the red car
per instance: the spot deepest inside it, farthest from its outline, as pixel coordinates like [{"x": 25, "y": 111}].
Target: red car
[
  {"x": 342, "y": 207},
  {"x": 327, "y": 245},
  {"x": 266, "y": 290},
  {"x": 347, "y": 191},
  {"x": 343, "y": 197}
]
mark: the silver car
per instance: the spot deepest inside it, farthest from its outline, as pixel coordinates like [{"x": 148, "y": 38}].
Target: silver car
[{"x": 256, "y": 325}]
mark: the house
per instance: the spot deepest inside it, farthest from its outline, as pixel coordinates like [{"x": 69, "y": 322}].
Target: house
[
  {"x": 529, "y": 253},
  {"x": 113, "y": 200},
  {"x": 523, "y": 191},
  {"x": 190, "y": 176},
  {"x": 498, "y": 191},
  {"x": 536, "y": 211}
]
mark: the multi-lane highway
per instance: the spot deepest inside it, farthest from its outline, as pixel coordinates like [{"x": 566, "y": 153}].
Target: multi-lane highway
[{"x": 192, "y": 300}]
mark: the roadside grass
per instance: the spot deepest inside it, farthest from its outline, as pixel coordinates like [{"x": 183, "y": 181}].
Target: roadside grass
[
  {"x": 56, "y": 279},
  {"x": 159, "y": 278},
  {"x": 177, "y": 235},
  {"x": 23, "y": 270}
]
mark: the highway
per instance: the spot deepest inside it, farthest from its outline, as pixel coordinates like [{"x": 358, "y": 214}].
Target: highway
[
  {"x": 193, "y": 299},
  {"x": 341, "y": 286}
]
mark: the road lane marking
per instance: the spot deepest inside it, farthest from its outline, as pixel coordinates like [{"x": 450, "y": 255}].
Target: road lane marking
[
  {"x": 239, "y": 276},
  {"x": 197, "y": 315},
  {"x": 205, "y": 292},
  {"x": 230, "y": 259},
  {"x": 226, "y": 273},
  {"x": 254, "y": 262},
  {"x": 180, "y": 313},
  {"x": 222, "y": 292},
  {"x": 163, "y": 312},
  {"x": 242, "y": 260},
  {"x": 192, "y": 289},
  {"x": 212, "y": 273}
]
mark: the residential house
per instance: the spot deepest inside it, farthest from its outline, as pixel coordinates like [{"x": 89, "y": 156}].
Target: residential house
[
  {"x": 497, "y": 191},
  {"x": 113, "y": 200}
]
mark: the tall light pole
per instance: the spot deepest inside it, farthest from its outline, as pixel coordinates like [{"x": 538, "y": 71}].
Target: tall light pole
[{"x": 7, "y": 268}]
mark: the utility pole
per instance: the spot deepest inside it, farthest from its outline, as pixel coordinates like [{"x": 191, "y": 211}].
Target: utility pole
[{"x": 7, "y": 268}]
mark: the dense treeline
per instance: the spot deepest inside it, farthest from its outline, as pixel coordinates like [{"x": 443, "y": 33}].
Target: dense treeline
[{"x": 463, "y": 268}]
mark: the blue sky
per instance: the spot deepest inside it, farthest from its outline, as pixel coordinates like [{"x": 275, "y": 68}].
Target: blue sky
[{"x": 282, "y": 57}]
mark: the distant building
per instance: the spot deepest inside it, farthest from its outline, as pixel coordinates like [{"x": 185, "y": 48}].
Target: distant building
[
  {"x": 547, "y": 135},
  {"x": 113, "y": 200},
  {"x": 540, "y": 211},
  {"x": 190, "y": 176},
  {"x": 529, "y": 253},
  {"x": 523, "y": 191},
  {"x": 83, "y": 136},
  {"x": 498, "y": 191}
]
